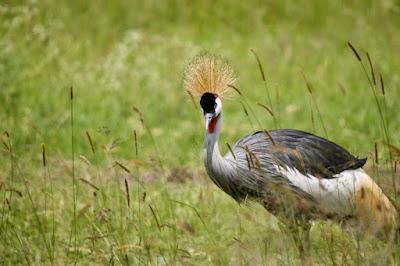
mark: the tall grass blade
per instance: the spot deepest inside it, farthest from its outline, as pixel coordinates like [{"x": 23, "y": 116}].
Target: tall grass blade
[
  {"x": 354, "y": 51},
  {"x": 382, "y": 84},
  {"x": 371, "y": 66},
  {"x": 149, "y": 132},
  {"x": 90, "y": 142},
  {"x": 382, "y": 115},
  {"x": 128, "y": 196},
  {"x": 123, "y": 167},
  {"x": 311, "y": 93},
  {"x": 312, "y": 116},
  {"x": 136, "y": 145},
  {"x": 87, "y": 182},
  {"x": 10, "y": 180},
  {"x": 260, "y": 67},
  {"x": 74, "y": 184},
  {"x": 155, "y": 218},
  {"x": 200, "y": 217},
  {"x": 39, "y": 223},
  {"x": 266, "y": 108},
  {"x": 231, "y": 151},
  {"x": 235, "y": 89}
]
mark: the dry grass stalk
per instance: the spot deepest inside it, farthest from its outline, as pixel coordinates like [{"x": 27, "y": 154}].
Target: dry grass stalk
[
  {"x": 128, "y": 196},
  {"x": 19, "y": 193},
  {"x": 85, "y": 160},
  {"x": 90, "y": 142},
  {"x": 244, "y": 109},
  {"x": 248, "y": 162},
  {"x": 354, "y": 51},
  {"x": 312, "y": 116},
  {"x": 395, "y": 151},
  {"x": 136, "y": 146},
  {"x": 87, "y": 182},
  {"x": 310, "y": 90},
  {"x": 382, "y": 85},
  {"x": 372, "y": 69},
  {"x": 122, "y": 167},
  {"x": 231, "y": 151},
  {"x": 155, "y": 217},
  {"x": 308, "y": 84},
  {"x": 278, "y": 102},
  {"x": 192, "y": 99},
  {"x": 266, "y": 108},
  {"x": 270, "y": 137},
  {"x": 260, "y": 67},
  {"x": 251, "y": 157},
  {"x": 136, "y": 110},
  {"x": 235, "y": 89},
  {"x": 5, "y": 145},
  {"x": 74, "y": 184},
  {"x": 8, "y": 204},
  {"x": 144, "y": 196},
  {"x": 97, "y": 237},
  {"x": 4, "y": 139},
  {"x": 44, "y": 155}
]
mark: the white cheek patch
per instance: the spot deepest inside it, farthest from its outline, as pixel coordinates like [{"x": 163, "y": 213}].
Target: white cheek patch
[{"x": 218, "y": 105}]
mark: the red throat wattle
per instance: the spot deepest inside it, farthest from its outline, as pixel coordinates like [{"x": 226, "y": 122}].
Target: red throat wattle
[{"x": 213, "y": 124}]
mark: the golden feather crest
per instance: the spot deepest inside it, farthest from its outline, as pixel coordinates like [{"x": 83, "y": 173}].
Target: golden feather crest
[{"x": 208, "y": 73}]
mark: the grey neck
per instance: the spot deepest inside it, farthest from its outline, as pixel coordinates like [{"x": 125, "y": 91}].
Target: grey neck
[{"x": 218, "y": 168}]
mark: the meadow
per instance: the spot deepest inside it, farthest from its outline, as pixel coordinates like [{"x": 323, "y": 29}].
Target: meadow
[{"x": 101, "y": 153}]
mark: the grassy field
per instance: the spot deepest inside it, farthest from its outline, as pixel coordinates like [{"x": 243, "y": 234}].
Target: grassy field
[{"x": 115, "y": 175}]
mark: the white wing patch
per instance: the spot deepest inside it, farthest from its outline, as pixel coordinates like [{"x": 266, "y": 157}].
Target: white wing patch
[{"x": 334, "y": 194}]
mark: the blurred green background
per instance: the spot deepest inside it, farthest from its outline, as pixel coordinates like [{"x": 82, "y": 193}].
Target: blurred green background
[
  {"x": 117, "y": 55},
  {"x": 132, "y": 53}
]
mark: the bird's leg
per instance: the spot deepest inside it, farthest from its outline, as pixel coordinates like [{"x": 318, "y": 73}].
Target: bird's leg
[
  {"x": 300, "y": 226},
  {"x": 305, "y": 227},
  {"x": 295, "y": 218}
]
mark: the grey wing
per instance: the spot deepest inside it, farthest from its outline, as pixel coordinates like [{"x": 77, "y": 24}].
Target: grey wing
[
  {"x": 310, "y": 154},
  {"x": 255, "y": 167},
  {"x": 259, "y": 155}
]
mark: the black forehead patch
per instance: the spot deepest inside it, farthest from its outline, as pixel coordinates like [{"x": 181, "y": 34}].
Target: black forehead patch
[{"x": 207, "y": 102}]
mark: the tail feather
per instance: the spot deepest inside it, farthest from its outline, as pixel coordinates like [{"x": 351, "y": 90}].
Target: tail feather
[{"x": 374, "y": 209}]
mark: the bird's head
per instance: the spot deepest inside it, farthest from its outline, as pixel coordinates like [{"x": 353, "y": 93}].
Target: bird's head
[
  {"x": 209, "y": 77},
  {"x": 211, "y": 106}
]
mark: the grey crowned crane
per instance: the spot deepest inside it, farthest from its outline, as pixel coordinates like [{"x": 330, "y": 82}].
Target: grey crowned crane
[{"x": 289, "y": 171}]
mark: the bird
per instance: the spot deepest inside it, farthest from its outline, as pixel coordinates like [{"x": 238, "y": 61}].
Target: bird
[{"x": 290, "y": 171}]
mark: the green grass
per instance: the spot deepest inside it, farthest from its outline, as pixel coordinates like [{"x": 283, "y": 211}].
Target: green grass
[{"x": 117, "y": 56}]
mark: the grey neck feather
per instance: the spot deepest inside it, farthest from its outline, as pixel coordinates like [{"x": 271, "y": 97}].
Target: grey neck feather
[{"x": 218, "y": 168}]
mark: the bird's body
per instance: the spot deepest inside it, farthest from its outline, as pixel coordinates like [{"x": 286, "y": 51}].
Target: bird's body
[
  {"x": 295, "y": 172},
  {"x": 289, "y": 171}
]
